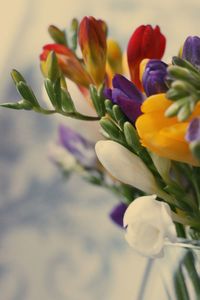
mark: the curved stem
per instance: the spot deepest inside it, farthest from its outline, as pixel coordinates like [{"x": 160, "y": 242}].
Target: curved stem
[{"x": 74, "y": 115}]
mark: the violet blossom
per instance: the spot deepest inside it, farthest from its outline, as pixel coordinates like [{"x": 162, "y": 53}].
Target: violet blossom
[
  {"x": 125, "y": 94},
  {"x": 153, "y": 79}
]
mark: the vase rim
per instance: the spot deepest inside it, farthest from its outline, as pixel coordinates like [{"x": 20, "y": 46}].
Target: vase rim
[{"x": 184, "y": 243}]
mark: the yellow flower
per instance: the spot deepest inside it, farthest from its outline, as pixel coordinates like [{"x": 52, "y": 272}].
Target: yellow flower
[{"x": 162, "y": 135}]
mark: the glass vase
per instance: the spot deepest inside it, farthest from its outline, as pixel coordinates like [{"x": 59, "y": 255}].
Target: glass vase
[{"x": 174, "y": 276}]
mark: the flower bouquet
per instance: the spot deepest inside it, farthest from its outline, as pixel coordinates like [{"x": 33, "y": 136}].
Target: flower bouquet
[{"x": 148, "y": 113}]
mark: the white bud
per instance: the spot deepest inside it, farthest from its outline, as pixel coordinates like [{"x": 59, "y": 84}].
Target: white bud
[{"x": 125, "y": 166}]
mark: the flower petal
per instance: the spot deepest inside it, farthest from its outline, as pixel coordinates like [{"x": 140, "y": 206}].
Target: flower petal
[{"x": 125, "y": 166}]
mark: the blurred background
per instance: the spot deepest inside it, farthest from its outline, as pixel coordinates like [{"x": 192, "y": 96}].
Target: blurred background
[{"x": 56, "y": 240}]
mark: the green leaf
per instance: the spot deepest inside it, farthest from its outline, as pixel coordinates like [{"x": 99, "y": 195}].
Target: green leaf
[
  {"x": 57, "y": 90},
  {"x": 108, "y": 106},
  {"x": 17, "y": 77},
  {"x": 50, "y": 91},
  {"x": 111, "y": 129},
  {"x": 119, "y": 116},
  {"x": 67, "y": 102},
  {"x": 98, "y": 100},
  {"x": 23, "y": 104},
  {"x": 27, "y": 93}
]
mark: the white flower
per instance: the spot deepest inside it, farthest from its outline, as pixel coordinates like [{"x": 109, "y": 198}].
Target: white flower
[
  {"x": 148, "y": 223},
  {"x": 125, "y": 166}
]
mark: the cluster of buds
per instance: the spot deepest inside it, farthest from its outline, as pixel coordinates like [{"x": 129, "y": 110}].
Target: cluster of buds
[{"x": 90, "y": 69}]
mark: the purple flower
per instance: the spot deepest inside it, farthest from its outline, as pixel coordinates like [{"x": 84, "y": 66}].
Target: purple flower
[
  {"x": 153, "y": 78},
  {"x": 126, "y": 95},
  {"x": 78, "y": 146},
  {"x": 117, "y": 214},
  {"x": 193, "y": 132},
  {"x": 191, "y": 50}
]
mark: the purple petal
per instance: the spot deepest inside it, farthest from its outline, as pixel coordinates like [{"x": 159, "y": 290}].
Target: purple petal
[
  {"x": 191, "y": 50},
  {"x": 193, "y": 132},
  {"x": 127, "y": 87},
  {"x": 107, "y": 93},
  {"x": 130, "y": 107},
  {"x": 117, "y": 214},
  {"x": 154, "y": 76}
]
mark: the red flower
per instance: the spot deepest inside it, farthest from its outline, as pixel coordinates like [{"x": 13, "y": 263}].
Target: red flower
[
  {"x": 145, "y": 42},
  {"x": 92, "y": 40},
  {"x": 69, "y": 63}
]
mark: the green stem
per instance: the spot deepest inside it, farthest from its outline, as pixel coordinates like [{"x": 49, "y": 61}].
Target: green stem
[
  {"x": 180, "y": 286},
  {"x": 79, "y": 116},
  {"x": 189, "y": 262},
  {"x": 74, "y": 115}
]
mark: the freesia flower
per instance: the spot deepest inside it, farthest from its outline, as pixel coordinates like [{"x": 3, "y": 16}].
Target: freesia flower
[
  {"x": 92, "y": 40},
  {"x": 162, "y": 135},
  {"x": 125, "y": 166},
  {"x": 68, "y": 62},
  {"x": 145, "y": 42},
  {"x": 78, "y": 146},
  {"x": 126, "y": 95},
  {"x": 153, "y": 78},
  {"x": 117, "y": 213},
  {"x": 148, "y": 223},
  {"x": 191, "y": 50}
]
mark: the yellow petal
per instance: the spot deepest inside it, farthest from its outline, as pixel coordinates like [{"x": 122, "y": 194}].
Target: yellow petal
[{"x": 155, "y": 103}]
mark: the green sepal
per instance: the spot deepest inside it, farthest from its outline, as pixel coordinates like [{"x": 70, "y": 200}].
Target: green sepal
[
  {"x": 175, "y": 107},
  {"x": 111, "y": 129},
  {"x": 67, "y": 102},
  {"x": 184, "y": 112},
  {"x": 53, "y": 69},
  {"x": 57, "y": 35},
  {"x": 184, "y": 74},
  {"x": 23, "y": 104},
  {"x": 184, "y": 64},
  {"x": 17, "y": 77},
  {"x": 98, "y": 100},
  {"x": 132, "y": 137},
  {"x": 27, "y": 93},
  {"x": 50, "y": 91},
  {"x": 119, "y": 116},
  {"x": 108, "y": 107},
  {"x": 57, "y": 90}
]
